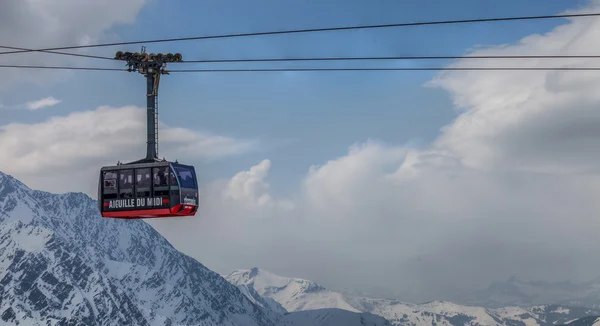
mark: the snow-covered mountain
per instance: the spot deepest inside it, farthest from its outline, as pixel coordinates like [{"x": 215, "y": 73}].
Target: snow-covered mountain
[
  {"x": 296, "y": 294},
  {"x": 516, "y": 291},
  {"x": 292, "y": 294},
  {"x": 585, "y": 321},
  {"x": 61, "y": 263}
]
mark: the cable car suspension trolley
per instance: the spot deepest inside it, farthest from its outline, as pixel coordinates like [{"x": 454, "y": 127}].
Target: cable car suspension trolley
[{"x": 150, "y": 187}]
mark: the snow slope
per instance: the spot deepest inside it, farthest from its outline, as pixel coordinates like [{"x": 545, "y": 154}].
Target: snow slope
[
  {"x": 298, "y": 295},
  {"x": 586, "y": 321},
  {"x": 61, "y": 263},
  {"x": 330, "y": 317}
]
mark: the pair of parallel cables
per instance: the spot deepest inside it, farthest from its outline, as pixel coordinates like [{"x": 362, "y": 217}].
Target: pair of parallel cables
[{"x": 60, "y": 51}]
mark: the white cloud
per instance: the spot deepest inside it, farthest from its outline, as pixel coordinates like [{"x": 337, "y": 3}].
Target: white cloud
[
  {"x": 182, "y": 142},
  {"x": 510, "y": 187},
  {"x": 42, "y": 103},
  {"x": 544, "y": 121},
  {"x": 250, "y": 188},
  {"x": 39, "y": 24},
  {"x": 84, "y": 141}
]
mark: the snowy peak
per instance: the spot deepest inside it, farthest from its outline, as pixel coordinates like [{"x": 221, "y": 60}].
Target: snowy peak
[
  {"x": 293, "y": 294},
  {"x": 7, "y": 179},
  {"x": 307, "y": 302},
  {"x": 273, "y": 283},
  {"x": 11, "y": 190},
  {"x": 62, "y": 263},
  {"x": 289, "y": 293}
]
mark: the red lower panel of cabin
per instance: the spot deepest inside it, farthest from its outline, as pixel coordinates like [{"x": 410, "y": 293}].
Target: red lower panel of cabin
[{"x": 176, "y": 211}]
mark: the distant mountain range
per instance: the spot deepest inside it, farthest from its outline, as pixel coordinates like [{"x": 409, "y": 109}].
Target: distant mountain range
[
  {"x": 62, "y": 264},
  {"x": 294, "y": 294},
  {"x": 518, "y": 292}
]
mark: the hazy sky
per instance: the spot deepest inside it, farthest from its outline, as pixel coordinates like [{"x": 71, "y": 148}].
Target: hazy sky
[{"x": 418, "y": 185}]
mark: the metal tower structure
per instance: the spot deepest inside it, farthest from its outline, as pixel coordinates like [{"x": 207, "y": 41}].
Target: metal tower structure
[{"x": 152, "y": 66}]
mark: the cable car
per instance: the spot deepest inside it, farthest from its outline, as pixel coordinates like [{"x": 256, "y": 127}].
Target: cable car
[
  {"x": 150, "y": 187},
  {"x": 148, "y": 190}
]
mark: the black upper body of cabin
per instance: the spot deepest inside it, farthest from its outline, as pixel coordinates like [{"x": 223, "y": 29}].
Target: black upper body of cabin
[{"x": 145, "y": 186}]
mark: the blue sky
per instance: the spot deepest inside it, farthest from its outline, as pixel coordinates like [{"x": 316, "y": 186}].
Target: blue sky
[{"x": 304, "y": 118}]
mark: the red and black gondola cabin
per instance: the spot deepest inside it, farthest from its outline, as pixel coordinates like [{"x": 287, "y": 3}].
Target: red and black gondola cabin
[{"x": 148, "y": 190}]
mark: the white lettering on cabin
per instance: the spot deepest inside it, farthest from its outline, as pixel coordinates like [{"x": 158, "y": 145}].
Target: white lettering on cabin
[
  {"x": 132, "y": 203},
  {"x": 121, "y": 203},
  {"x": 153, "y": 201}
]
